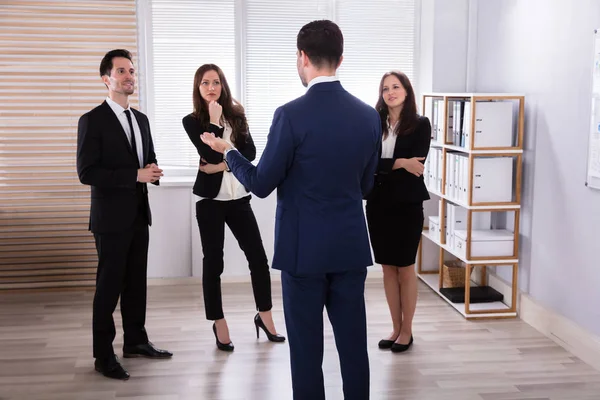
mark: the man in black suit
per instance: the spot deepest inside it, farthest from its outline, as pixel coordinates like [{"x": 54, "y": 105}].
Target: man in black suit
[{"x": 115, "y": 156}]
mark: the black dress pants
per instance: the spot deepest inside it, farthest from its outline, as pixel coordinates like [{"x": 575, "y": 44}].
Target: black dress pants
[
  {"x": 122, "y": 272},
  {"x": 212, "y": 215}
]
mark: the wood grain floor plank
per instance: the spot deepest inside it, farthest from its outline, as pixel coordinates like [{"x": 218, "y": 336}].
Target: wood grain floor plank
[{"x": 45, "y": 353}]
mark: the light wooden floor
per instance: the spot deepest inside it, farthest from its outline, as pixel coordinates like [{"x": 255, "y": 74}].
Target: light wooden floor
[{"x": 45, "y": 353}]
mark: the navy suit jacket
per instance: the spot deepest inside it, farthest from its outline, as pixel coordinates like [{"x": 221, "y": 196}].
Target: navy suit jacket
[{"x": 321, "y": 155}]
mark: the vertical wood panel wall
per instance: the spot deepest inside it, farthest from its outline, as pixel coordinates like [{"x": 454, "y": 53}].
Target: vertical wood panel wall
[{"x": 50, "y": 53}]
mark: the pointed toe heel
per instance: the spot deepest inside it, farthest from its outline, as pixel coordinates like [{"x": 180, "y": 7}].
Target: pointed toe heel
[
  {"x": 222, "y": 346},
  {"x": 258, "y": 323}
]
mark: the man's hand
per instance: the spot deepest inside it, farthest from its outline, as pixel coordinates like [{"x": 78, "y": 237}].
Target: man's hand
[
  {"x": 215, "y": 110},
  {"x": 217, "y": 144},
  {"x": 149, "y": 174}
]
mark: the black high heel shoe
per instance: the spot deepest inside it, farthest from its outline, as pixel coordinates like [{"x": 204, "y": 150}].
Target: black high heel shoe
[
  {"x": 400, "y": 348},
  {"x": 222, "y": 346},
  {"x": 258, "y": 322}
]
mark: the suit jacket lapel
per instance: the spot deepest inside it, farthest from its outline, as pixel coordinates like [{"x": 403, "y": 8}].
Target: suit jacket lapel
[{"x": 115, "y": 124}]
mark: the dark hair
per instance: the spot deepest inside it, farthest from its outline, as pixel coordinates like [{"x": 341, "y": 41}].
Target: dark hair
[
  {"x": 408, "y": 115},
  {"x": 322, "y": 41},
  {"x": 233, "y": 112},
  {"x": 106, "y": 65}
]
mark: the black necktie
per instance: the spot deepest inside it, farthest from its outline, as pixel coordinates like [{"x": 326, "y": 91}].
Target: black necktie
[{"x": 133, "y": 144}]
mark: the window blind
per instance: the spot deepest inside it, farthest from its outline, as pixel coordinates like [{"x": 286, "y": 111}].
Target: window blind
[
  {"x": 185, "y": 34},
  {"x": 50, "y": 52},
  {"x": 379, "y": 35}
]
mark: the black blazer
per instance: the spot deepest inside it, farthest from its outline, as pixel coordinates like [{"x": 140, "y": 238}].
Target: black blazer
[
  {"x": 208, "y": 185},
  {"x": 106, "y": 162},
  {"x": 400, "y": 185}
]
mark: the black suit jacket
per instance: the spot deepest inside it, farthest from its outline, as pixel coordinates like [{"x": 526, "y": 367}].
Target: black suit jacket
[
  {"x": 400, "y": 185},
  {"x": 208, "y": 185},
  {"x": 106, "y": 162}
]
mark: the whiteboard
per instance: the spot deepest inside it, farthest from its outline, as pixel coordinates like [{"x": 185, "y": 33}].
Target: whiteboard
[{"x": 593, "y": 159}]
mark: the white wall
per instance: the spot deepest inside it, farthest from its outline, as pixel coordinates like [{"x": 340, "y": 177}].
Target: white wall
[
  {"x": 175, "y": 248},
  {"x": 443, "y": 41},
  {"x": 544, "y": 49}
]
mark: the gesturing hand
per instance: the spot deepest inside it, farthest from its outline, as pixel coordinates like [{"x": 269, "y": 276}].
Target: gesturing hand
[{"x": 217, "y": 144}]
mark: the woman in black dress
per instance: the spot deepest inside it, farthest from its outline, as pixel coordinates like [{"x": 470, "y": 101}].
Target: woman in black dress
[{"x": 395, "y": 207}]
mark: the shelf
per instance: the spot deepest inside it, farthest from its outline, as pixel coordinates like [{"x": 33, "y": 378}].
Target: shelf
[
  {"x": 433, "y": 281},
  {"x": 460, "y": 149},
  {"x": 463, "y": 259},
  {"x": 495, "y": 131},
  {"x": 468, "y": 207},
  {"x": 475, "y": 151},
  {"x": 465, "y": 95}
]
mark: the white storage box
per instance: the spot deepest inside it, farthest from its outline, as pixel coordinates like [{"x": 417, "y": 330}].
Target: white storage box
[
  {"x": 493, "y": 124},
  {"x": 492, "y": 179},
  {"x": 434, "y": 228},
  {"x": 485, "y": 243}
]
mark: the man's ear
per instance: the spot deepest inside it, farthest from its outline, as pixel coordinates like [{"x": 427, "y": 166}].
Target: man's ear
[
  {"x": 106, "y": 80},
  {"x": 305, "y": 61},
  {"x": 340, "y": 62}
]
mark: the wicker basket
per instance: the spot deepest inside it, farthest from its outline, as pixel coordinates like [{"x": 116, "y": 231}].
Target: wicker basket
[{"x": 453, "y": 274}]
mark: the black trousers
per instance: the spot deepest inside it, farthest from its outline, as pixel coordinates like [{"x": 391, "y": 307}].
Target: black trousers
[
  {"x": 212, "y": 215},
  {"x": 122, "y": 271}
]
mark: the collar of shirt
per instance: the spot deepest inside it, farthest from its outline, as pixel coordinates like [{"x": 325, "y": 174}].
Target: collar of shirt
[
  {"x": 321, "y": 79},
  {"x": 116, "y": 107}
]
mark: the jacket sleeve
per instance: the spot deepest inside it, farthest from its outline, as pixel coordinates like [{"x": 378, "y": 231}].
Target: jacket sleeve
[
  {"x": 423, "y": 139},
  {"x": 249, "y": 148},
  {"x": 192, "y": 128},
  {"x": 274, "y": 163},
  {"x": 368, "y": 179},
  {"x": 420, "y": 149}
]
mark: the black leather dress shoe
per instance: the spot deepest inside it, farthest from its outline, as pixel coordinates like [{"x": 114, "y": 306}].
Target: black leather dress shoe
[
  {"x": 111, "y": 368},
  {"x": 145, "y": 350}
]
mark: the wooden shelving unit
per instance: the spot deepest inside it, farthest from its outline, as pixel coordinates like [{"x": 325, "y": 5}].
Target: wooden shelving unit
[{"x": 461, "y": 140}]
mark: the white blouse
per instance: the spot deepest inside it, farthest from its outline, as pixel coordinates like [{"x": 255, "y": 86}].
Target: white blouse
[
  {"x": 231, "y": 188},
  {"x": 388, "y": 144}
]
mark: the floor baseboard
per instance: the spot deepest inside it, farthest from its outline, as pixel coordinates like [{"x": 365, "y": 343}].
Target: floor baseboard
[
  {"x": 575, "y": 339},
  {"x": 564, "y": 332}
]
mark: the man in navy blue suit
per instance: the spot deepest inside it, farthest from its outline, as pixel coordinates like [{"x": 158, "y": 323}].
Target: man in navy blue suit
[{"x": 321, "y": 155}]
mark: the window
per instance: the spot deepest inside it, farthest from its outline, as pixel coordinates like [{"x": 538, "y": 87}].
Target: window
[
  {"x": 379, "y": 35},
  {"x": 184, "y": 34},
  {"x": 270, "y": 58},
  {"x": 254, "y": 42}
]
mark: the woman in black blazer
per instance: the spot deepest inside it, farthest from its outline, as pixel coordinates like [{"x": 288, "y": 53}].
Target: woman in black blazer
[
  {"x": 223, "y": 200},
  {"x": 395, "y": 206}
]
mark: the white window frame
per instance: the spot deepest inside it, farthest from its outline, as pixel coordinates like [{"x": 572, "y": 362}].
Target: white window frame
[{"x": 146, "y": 72}]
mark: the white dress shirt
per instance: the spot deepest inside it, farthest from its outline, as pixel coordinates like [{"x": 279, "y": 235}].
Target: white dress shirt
[
  {"x": 231, "y": 188},
  {"x": 321, "y": 79},
  {"x": 120, "y": 113}
]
